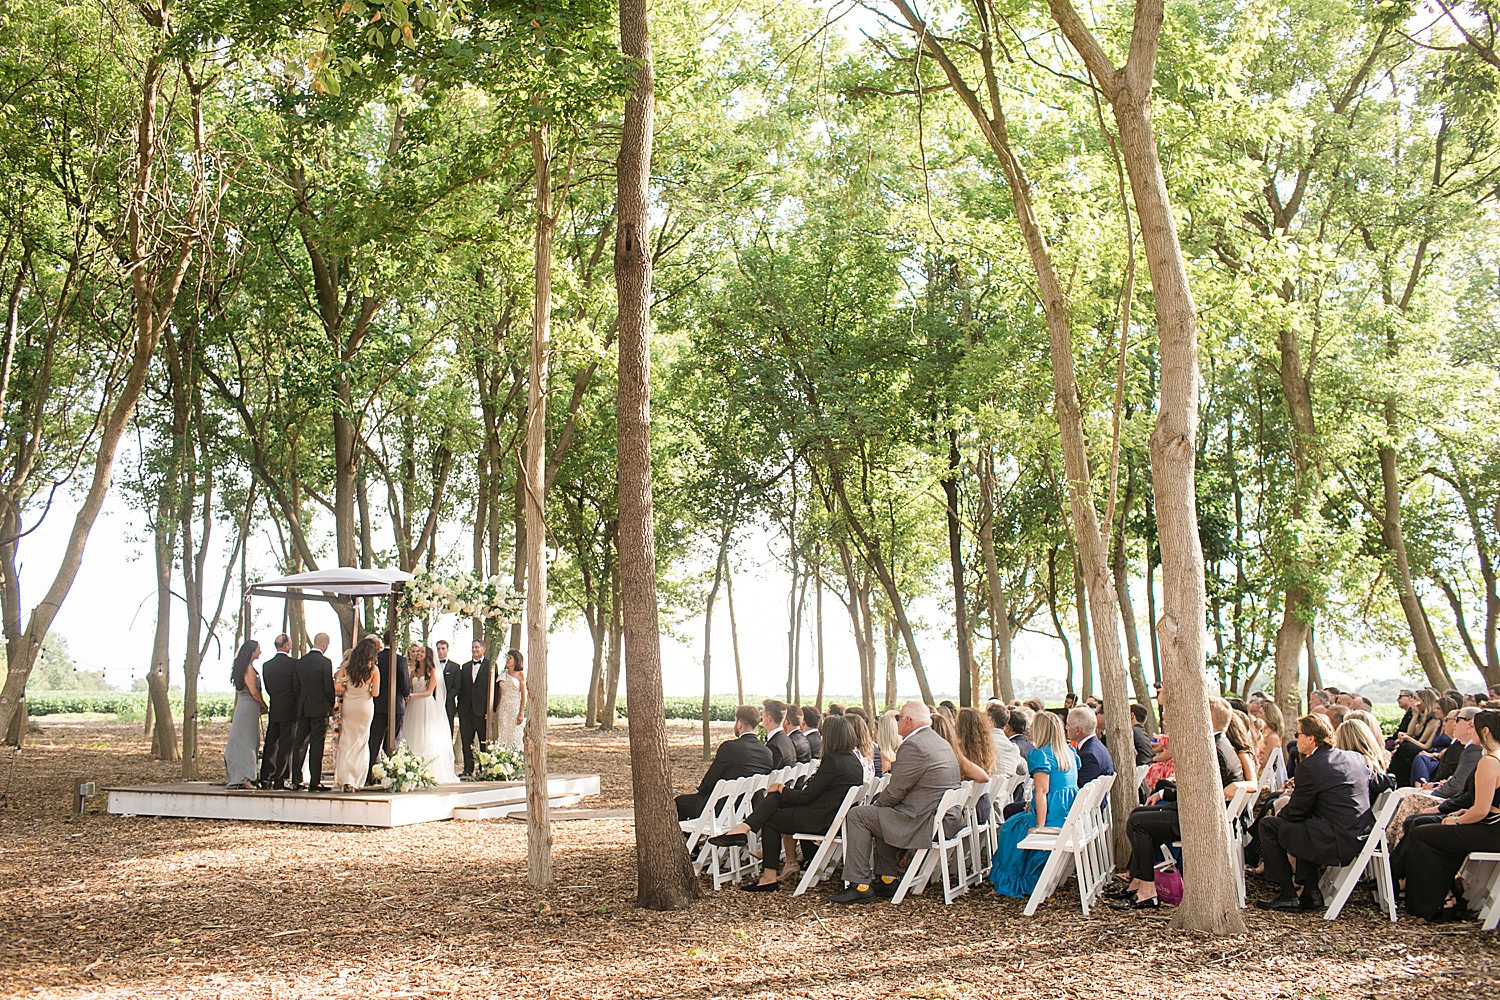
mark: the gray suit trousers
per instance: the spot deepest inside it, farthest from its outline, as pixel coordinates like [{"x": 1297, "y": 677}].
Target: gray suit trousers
[{"x": 862, "y": 838}]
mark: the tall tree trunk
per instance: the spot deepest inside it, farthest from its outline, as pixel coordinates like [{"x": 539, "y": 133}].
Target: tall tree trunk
[
  {"x": 1062, "y": 634},
  {"x": 1296, "y": 614},
  {"x": 890, "y": 663},
  {"x": 734, "y": 633},
  {"x": 1120, "y": 565},
  {"x": 159, "y": 705},
  {"x": 1001, "y": 685},
  {"x": 1395, "y": 541},
  {"x": 791, "y": 600},
  {"x": 956, "y": 566},
  {"x": 534, "y": 486},
  {"x": 1210, "y": 902},
  {"x": 616, "y": 645},
  {"x": 1151, "y": 603},
  {"x": 664, "y": 874},
  {"x": 1314, "y": 676},
  {"x": 708, "y": 635},
  {"x": 818, "y": 614},
  {"x": 1081, "y": 607}
]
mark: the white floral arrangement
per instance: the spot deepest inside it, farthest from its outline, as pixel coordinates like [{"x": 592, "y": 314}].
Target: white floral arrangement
[
  {"x": 495, "y": 762},
  {"x": 462, "y": 594},
  {"x": 403, "y": 771}
]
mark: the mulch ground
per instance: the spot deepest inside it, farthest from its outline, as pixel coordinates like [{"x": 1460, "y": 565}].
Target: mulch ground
[{"x": 109, "y": 906}]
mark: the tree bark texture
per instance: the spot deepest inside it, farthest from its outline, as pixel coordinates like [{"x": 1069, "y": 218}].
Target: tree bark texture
[{"x": 966, "y": 692}]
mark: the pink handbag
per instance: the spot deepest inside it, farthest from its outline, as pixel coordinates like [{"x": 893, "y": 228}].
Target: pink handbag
[{"x": 1168, "y": 881}]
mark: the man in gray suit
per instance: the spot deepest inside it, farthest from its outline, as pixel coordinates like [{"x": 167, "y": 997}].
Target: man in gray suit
[{"x": 925, "y": 768}]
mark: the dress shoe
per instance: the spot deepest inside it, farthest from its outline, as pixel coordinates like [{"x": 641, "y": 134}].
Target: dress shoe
[
  {"x": 1312, "y": 899},
  {"x": 730, "y": 840},
  {"x": 1283, "y": 903},
  {"x": 884, "y": 889},
  {"x": 853, "y": 895},
  {"x": 758, "y": 887},
  {"x": 317, "y": 788},
  {"x": 1135, "y": 903},
  {"x": 1119, "y": 892}
]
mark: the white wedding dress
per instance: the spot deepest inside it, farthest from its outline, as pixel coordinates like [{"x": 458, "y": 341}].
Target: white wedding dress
[{"x": 427, "y": 731}]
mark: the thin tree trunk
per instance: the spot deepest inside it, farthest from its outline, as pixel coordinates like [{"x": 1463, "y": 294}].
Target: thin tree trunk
[
  {"x": 616, "y": 645},
  {"x": 956, "y": 566},
  {"x": 890, "y": 663},
  {"x": 1120, "y": 565},
  {"x": 1001, "y": 685},
  {"x": 708, "y": 635},
  {"x": 818, "y": 613},
  {"x": 163, "y": 735},
  {"x": 534, "y": 487},
  {"x": 1081, "y": 607},
  {"x": 1062, "y": 634},
  {"x": 664, "y": 874},
  {"x": 734, "y": 633},
  {"x": 1314, "y": 676},
  {"x": 1395, "y": 541}
]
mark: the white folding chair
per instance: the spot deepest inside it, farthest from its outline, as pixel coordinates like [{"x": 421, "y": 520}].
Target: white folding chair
[
  {"x": 873, "y": 788},
  {"x": 1340, "y": 882},
  {"x": 936, "y": 855},
  {"x": 1481, "y": 875},
  {"x": 975, "y": 839},
  {"x": 830, "y": 845},
  {"x": 1140, "y": 777},
  {"x": 698, "y": 829},
  {"x": 1000, "y": 790},
  {"x": 1080, "y": 838},
  {"x": 1273, "y": 775},
  {"x": 1238, "y": 814}
]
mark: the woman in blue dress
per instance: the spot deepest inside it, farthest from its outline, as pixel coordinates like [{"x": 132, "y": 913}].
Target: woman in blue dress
[{"x": 1054, "y": 776}]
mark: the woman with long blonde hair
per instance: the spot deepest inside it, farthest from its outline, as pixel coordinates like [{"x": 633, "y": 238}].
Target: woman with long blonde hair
[
  {"x": 887, "y": 743},
  {"x": 1053, "y": 766}
]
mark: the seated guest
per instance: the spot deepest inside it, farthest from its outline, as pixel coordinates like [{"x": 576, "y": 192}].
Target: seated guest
[
  {"x": 793, "y": 727},
  {"x": 975, "y": 746},
  {"x": 1425, "y": 764},
  {"x": 1324, "y": 822},
  {"x": 1434, "y": 852},
  {"x": 901, "y": 821},
  {"x": 808, "y": 809},
  {"x": 887, "y": 742},
  {"x": 948, "y": 710},
  {"x": 834, "y": 708},
  {"x": 1454, "y": 783},
  {"x": 1416, "y": 736},
  {"x": 810, "y": 730},
  {"x": 1237, "y": 731},
  {"x": 1054, "y": 777},
  {"x": 1355, "y": 737},
  {"x": 1036, "y": 705},
  {"x": 1373, "y": 725},
  {"x": 864, "y": 741},
  {"x": 783, "y": 751},
  {"x": 1157, "y": 822},
  {"x": 1144, "y": 751},
  {"x": 1093, "y": 756},
  {"x": 967, "y": 769},
  {"x": 737, "y": 758},
  {"x": 1008, "y": 759},
  {"x": 1018, "y": 729}
]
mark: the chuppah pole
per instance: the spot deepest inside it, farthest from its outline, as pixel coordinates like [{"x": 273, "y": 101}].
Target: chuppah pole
[{"x": 390, "y": 645}]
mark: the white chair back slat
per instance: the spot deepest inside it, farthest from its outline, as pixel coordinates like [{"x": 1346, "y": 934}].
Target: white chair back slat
[
  {"x": 1081, "y": 838},
  {"x": 936, "y": 856},
  {"x": 1338, "y": 883},
  {"x": 830, "y": 844}
]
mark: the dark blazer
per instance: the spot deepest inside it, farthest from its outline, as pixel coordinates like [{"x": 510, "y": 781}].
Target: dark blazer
[
  {"x": 1144, "y": 751},
  {"x": 815, "y": 742},
  {"x": 472, "y": 687},
  {"x": 314, "y": 679},
  {"x": 1328, "y": 816},
  {"x": 736, "y": 758},
  {"x": 1093, "y": 761},
  {"x": 403, "y": 682},
  {"x": 783, "y": 752},
  {"x": 1023, "y": 745},
  {"x": 279, "y": 677},
  {"x": 801, "y": 745},
  {"x": 816, "y": 803},
  {"x": 1463, "y": 774},
  {"x": 451, "y": 671}
]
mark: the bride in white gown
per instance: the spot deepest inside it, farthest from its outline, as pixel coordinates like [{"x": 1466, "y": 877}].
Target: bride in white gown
[{"x": 427, "y": 730}]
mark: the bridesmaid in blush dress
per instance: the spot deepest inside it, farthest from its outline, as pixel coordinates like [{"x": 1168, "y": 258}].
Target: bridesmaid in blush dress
[
  {"x": 358, "y": 683},
  {"x": 240, "y": 767}
]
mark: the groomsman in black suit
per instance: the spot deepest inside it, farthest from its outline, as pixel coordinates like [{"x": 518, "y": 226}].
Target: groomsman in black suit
[
  {"x": 314, "y": 678},
  {"x": 737, "y": 758},
  {"x": 783, "y": 751},
  {"x": 279, "y": 677},
  {"x": 378, "y": 724},
  {"x": 450, "y": 670},
  {"x": 473, "y": 684}
]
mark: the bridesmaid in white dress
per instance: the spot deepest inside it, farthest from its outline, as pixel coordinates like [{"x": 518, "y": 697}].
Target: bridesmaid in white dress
[
  {"x": 511, "y": 713},
  {"x": 427, "y": 731},
  {"x": 358, "y": 683}
]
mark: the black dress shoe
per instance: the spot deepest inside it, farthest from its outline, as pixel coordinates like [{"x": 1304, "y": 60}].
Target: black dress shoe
[
  {"x": 1312, "y": 900},
  {"x": 1120, "y": 892},
  {"x": 1281, "y": 904},
  {"x": 884, "y": 889},
  {"x": 730, "y": 840},
  {"x": 317, "y": 788},
  {"x": 853, "y": 895},
  {"x": 758, "y": 887},
  {"x": 1134, "y": 903}
]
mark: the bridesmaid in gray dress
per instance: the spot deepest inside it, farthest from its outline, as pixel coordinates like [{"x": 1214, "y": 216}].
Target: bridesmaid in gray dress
[{"x": 240, "y": 766}]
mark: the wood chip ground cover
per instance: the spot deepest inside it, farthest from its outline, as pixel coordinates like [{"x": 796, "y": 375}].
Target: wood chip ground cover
[{"x": 125, "y": 907}]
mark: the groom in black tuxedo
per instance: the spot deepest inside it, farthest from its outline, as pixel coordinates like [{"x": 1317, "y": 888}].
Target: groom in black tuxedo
[
  {"x": 377, "y": 724},
  {"x": 314, "y": 678},
  {"x": 279, "y": 675},
  {"x": 451, "y": 669},
  {"x": 473, "y": 684}
]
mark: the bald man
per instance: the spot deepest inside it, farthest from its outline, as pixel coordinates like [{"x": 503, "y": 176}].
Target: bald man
[{"x": 925, "y": 768}]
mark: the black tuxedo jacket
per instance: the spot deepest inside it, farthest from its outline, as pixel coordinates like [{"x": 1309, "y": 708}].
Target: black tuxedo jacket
[
  {"x": 800, "y": 745},
  {"x": 815, "y": 742},
  {"x": 818, "y": 801},
  {"x": 1328, "y": 816},
  {"x": 783, "y": 752},
  {"x": 279, "y": 676},
  {"x": 314, "y": 679},
  {"x": 1145, "y": 753},
  {"x": 736, "y": 758},
  {"x": 403, "y": 683},
  {"x": 451, "y": 670},
  {"x": 472, "y": 687}
]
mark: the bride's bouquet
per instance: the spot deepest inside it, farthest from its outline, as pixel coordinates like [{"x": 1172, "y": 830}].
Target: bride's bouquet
[
  {"x": 403, "y": 771},
  {"x": 496, "y": 762}
]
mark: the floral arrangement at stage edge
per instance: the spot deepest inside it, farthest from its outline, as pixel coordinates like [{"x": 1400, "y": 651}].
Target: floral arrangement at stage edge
[
  {"x": 461, "y": 594},
  {"x": 403, "y": 771},
  {"x": 496, "y": 762}
]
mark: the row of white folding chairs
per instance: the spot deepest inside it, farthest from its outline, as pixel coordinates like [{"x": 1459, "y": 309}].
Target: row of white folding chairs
[
  {"x": 723, "y": 813},
  {"x": 1083, "y": 837},
  {"x": 830, "y": 852},
  {"x": 963, "y": 857}
]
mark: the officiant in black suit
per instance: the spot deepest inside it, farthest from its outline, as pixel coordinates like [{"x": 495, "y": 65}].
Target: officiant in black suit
[
  {"x": 451, "y": 670},
  {"x": 737, "y": 758},
  {"x": 382, "y": 707},
  {"x": 473, "y": 684},
  {"x": 278, "y": 676},
  {"x": 314, "y": 680}
]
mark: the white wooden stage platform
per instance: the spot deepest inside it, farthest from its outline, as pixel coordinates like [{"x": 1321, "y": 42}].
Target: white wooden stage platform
[{"x": 371, "y": 807}]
